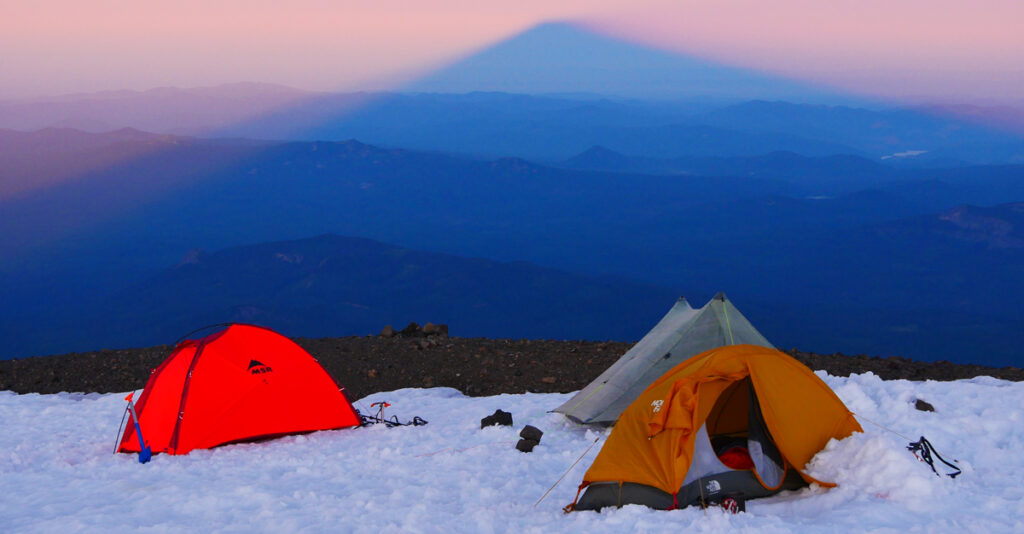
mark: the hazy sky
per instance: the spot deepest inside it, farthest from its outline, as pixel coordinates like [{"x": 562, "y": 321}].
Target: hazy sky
[{"x": 895, "y": 48}]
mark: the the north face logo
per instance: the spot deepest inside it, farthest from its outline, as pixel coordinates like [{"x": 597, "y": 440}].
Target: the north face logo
[{"x": 257, "y": 368}]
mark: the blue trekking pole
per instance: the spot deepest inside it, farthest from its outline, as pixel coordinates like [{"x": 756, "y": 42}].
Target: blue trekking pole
[{"x": 145, "y": 453}]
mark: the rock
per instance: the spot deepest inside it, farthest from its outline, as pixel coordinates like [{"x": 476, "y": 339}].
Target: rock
[
  {"x": 412, "y": 330},
  {"x": 435, "y": 330},
  {"x": 548, "y": 380},
  {"x": 532, "y": 433},
  {"x": 387, "y": 331},
  {"x": 499, "y": 418},
  {"x": 923, "y": 406},
  {"x": 526, "y": 445}
]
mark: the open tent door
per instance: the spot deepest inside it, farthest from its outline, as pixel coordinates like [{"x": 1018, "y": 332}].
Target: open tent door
[
  {"x": 739, "y": 430},
  {"x": 667, "y": 449}
]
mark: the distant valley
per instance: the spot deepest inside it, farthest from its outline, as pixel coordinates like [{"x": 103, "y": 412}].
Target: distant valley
[
  {"x": 331, "y": 284},
  {"x": 825, "y": 253}
]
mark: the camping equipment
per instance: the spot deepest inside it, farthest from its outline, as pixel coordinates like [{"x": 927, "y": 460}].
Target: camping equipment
[
  {"x": 145, "y": 453},
  {"x": 240, "y": 383},
  {"x": 924, "y": 447},
  {"x": 682, "y": 333},
  {"x": 390, "y": 422},
  {"x": 664, "y": 452}
]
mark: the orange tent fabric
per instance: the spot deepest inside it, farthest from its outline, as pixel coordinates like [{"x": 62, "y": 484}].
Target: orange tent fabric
[
  {"x": 653, "y": 441},
  {"x": 241, "y": 383}
]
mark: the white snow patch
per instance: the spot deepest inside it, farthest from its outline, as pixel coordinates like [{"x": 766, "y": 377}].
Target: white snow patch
[
  {"x": 58, "y": 473},
  {"x": 905, "y": 154}
]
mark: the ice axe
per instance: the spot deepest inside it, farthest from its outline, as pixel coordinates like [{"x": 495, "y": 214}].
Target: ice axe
[{"x": 145, "y": 453}]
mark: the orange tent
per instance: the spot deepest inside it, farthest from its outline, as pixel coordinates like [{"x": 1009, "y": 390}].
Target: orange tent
[
  {"x": 240, "y": 383},
  {"x": 665, "y": 450}
]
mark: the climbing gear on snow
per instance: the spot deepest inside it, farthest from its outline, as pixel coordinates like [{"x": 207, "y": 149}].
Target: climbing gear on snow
[
  {"x": 923, "y": 446},
  {"x": 926, "y": 450},
  {"x": 380, "y": 418},
  {"x": 145, "y": 453}
]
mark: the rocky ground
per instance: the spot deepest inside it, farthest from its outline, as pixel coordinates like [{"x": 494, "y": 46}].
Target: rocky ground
[{"x": 475, "y": 366}]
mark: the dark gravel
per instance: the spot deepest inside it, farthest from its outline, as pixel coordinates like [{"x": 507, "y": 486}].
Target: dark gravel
[{"x": 475, "y": 366}]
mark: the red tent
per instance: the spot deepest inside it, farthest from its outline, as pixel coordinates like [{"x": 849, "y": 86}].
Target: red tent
[{"x": 238, "y": 384}]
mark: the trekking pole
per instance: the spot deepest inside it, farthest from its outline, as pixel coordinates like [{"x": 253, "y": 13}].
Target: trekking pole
[
  {"x": 145, "y": 453},
  {"x": 117, "y": 442}
]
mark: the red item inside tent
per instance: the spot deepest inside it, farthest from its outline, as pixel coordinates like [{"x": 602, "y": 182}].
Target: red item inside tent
[{"x": 737, "y": 458}]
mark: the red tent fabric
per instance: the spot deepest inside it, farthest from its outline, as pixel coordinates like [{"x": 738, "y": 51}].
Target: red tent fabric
[{"x": 240, "y": 383}]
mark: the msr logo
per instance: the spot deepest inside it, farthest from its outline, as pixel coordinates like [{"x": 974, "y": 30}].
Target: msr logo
[{"x": 257, "y": 368}]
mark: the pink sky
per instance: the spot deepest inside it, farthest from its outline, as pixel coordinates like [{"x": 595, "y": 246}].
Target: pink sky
[{"x": 895, "y": 48}]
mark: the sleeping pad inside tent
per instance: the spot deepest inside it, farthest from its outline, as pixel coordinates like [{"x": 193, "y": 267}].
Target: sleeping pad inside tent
[{"x": 740, "y": 420}]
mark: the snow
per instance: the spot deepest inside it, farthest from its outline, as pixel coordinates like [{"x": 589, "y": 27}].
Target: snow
[
  {"x": 58, "y": 473},
  {"x": 905, "y": 154}
]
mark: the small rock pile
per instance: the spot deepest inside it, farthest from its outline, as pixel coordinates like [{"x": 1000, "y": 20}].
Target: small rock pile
[{"x": 425, "y": 337}]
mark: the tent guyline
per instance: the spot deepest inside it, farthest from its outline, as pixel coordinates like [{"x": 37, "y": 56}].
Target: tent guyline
[{"x": 557, "y": 482}]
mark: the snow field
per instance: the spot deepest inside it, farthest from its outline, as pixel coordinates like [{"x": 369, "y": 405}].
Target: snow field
[{"x": 57, "y": 472}]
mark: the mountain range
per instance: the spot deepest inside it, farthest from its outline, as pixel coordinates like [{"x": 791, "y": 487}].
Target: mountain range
[
  {"x": 839, "y": 253},
  {"x": 536, "y": 127},
  {"x": 333, "y": 285},
  {"x": 552, "y": 92}
]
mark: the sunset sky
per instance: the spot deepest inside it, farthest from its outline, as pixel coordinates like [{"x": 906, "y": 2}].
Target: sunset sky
[{"x": 903, "y": 49}]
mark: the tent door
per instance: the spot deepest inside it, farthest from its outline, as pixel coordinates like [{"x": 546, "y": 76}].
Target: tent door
[{"x": 769, "y": 465}]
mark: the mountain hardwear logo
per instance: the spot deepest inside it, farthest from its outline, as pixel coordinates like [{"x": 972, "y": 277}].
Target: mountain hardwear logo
[
  {"x": 656, "y": 405},
  {"x": 257, "y": 368}
]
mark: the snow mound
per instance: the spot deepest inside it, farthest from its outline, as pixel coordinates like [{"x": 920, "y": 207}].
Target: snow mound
[
  {"x": 59, "y": 473},
  {"x": 866, "y": 466}
]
